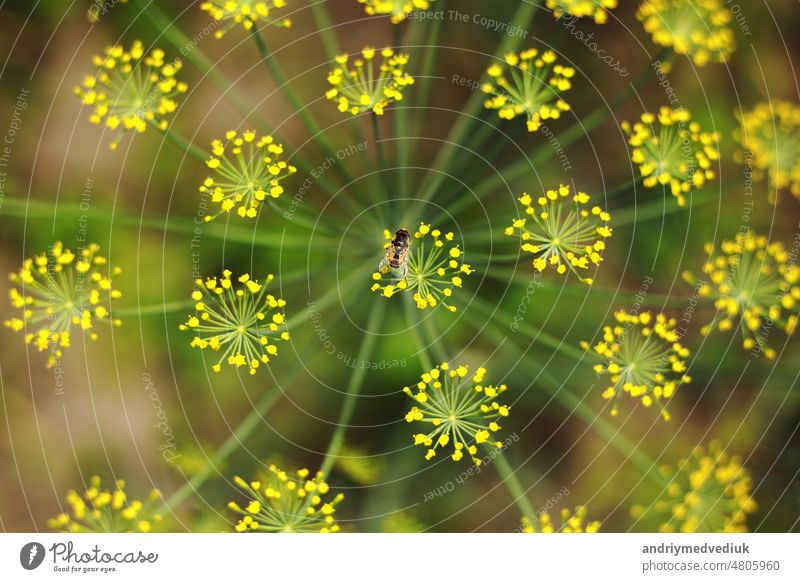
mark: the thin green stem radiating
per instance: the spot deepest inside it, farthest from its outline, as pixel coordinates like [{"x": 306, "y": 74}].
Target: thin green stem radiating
[{"x": 354, "y": 386}]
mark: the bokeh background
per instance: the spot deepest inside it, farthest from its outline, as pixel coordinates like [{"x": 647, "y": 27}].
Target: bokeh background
[{"x": 96, "y": 414}]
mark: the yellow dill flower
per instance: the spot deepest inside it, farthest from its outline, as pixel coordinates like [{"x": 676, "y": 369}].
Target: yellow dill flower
[
  {"x": 595, "y": 9},
  {"x": 532, "y": 85},
  {"x": 248, "y": 170},
  {"x": 398, "y": 9},
  {"x": 60, "y": 289},
  {"x": 710, "y": 492},
  {"x": 436, "y": 268},
  {"x": 100, "y": 510},
  {"x": 287, "y": 503},
  {"x": 643, "y": 358},
  {"x": 769, "y": 133},
  {"x": 131, "y": 89},
  {"x": 360, "y": 87},
  {"x": 753, "y": 281},
  {"x": 571, "y": 522},
  {"x": 672, "y": 150},
  {"x": 461, "y": 410},
  {"x": 239, "y": 319},
  {"x": 244, "y": 12},
  {"x": 571, "y": 238},
  {"x": 699, "y": 29}
]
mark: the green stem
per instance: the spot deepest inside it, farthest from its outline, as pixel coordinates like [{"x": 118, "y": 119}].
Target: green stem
[
  {"x": 510, "y": 480},
  {"x": 311, "y": 125},
  {"x": 325, "y": 28},
  {"x": 354, "y": 385},
  {"x": 184, "y": 145},
  {"x": 33, "y": 209},
  {"x": 253, "y": 419},
  {"x": 461, "y": 129},
  {"x": 151, "y": 310},
  {"x": 508, "y": 477}
]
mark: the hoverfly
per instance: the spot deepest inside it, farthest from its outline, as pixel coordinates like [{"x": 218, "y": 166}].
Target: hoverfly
[{"x": 396, "y": 257}]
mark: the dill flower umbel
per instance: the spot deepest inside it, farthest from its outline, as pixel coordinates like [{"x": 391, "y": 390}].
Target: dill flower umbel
[
  {"x": 461, "y": 410},
  {"x": 562, "y": 234},
  {"x": 571, "y": 522},
  {"x": 671, "y": 149},
  {"x": 530, "y": 83},
  {"x": 398, "y": 9},
  {"x": 769, "y": 133},
  {"x": 287, "y": 503},
  {"x": 100, "y": 510},
  {"x": 131, "y": 89},
  {"x": 643, "y": 357},
  {"x": 435, "y": 269},
  {"x": 244, "y": 12},
  {"x": 595, "y": 9},
  {"x": 59, "y": 290},
  {"x": 710, "y": 492},
  {"x": 357, "y": 87},
  {"x": 699, "y": 29},
  {"x": 237, "y": 318},
  {"x": 248, "y": 170},
  {"x": 755, "y": 281}
]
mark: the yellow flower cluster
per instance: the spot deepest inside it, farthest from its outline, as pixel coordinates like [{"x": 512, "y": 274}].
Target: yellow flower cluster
[
  {"x": 530, "y": 83},
  {"x": 699, "y": 29},
  {"x": 238, "y": 320},
  {"x": 755, "y": 281},
  {"x": 672, "y": 150},
  {"x": 360, "y": 88},
  {"x": 101, "y": 510},
  {"x": 769, "y": 132},
  {"x": 710, "y": 492},
  {"x": 595, "y": 9},
  {"x": 244, "y": 12},
  {"x": 570, "y": 523},
  {"x": 643, "y": 357},
  {"x": 131, "y": 89},
  {"x": 288, "y": 504},
  {"x": 461, "y": 409},
  {"x": 398, "y": 9},
  {"x": 248, "y": 170},
  {"x": 563, "y": 239},
  {"x": 60, "y": 289},
  {"x": 435, "y": 270}
]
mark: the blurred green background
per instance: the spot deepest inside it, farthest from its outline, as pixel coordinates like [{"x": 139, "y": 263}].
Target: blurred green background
[{"x": 143, "y": 199}]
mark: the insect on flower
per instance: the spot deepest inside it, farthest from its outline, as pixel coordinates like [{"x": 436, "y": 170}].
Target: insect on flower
[
  {"x": 396, "y": 257},
  {"x": 432, "y": 271}
]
